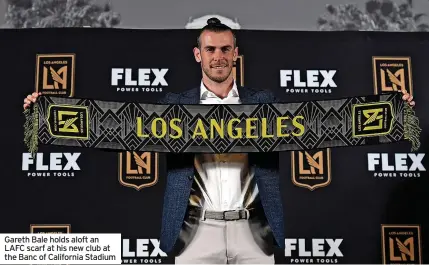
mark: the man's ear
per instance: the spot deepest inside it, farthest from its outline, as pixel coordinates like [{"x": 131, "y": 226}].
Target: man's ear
[
  {"x": 235, "y": 54},
  {"x": 197, "y": 55}
]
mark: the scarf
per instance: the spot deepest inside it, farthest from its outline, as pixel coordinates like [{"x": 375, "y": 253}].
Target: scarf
[{"x": 351, "y": 121}]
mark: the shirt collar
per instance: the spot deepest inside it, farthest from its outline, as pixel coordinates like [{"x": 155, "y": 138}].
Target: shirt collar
[{"x": 205, "y": 93}]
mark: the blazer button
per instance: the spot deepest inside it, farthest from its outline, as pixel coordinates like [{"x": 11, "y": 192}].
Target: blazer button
[{"x": 190, "y": 177}]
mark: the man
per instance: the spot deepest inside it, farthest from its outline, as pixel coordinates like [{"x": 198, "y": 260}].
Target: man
[{"x": 224, "y": 208}]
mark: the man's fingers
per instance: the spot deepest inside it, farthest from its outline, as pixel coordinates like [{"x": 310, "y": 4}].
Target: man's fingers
[
  {"x": 410, "y": 98},
  {"x": 405, "y": 97},
  {"x": 30, "y": 97}
]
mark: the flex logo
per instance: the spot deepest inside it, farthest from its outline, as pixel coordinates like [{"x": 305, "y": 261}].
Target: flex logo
[
  {"x": 142, "y": 79},
  {"x": 71, "y": 122},
  {"x": 142, "y": 251},
  {"x": 308, "y": 81},
  {"x": 50, "y": 164},
  {"x": 404, "y": 165},
  {"x": 316, "y": 250},
  {"x": 372, "y": 119}
]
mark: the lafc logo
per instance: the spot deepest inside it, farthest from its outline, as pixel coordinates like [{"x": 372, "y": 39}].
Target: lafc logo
[
  {"x": 392, "y": 74},
  {"x": 138, "y": 169},
  {"x": 65, "y": 121},
  {"x": 238, "y": 70},
  {"x": 371, "y": 119},
  {"x": 50, "y": 228},
  {"x": 311, "y": 169},
  {"x": 373, "y": 116},
  {"x": 401, "y": 244},
  {"x": 55, "y": 74}
]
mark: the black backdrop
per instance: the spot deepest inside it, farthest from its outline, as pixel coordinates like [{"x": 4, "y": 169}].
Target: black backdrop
[{"x": 350, "y": 204}]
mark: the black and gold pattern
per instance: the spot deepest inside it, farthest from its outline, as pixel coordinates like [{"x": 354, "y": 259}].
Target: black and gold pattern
[{"x": 308, "y": 125}]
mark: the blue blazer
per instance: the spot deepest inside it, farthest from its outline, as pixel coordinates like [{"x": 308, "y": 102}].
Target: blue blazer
[{"x": 180, "y": 175}]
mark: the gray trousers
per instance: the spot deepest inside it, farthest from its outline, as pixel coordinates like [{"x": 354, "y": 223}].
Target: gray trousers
[{"x": 225, "y": 242}]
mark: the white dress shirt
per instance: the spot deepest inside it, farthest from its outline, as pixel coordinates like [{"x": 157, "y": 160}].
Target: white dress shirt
[{"x": 223, "y": 181}]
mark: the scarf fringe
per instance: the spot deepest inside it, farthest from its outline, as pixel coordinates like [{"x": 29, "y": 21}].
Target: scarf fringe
[
  {"x": 412, "y": 128},
  {"x": 31, "y": 129}
]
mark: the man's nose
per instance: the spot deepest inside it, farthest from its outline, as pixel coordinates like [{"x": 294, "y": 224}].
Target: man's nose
[{"x": 218, "y": 54}]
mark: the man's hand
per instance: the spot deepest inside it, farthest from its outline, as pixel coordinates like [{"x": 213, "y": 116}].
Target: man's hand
[
  {"x": 407, "y": 97},
  {"x": 31, "y": 99}
]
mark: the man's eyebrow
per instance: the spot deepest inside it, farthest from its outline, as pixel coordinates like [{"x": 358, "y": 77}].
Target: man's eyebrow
[{"x": 223, "y": 47}]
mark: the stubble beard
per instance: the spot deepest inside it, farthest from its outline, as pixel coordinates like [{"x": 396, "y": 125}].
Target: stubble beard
[{"x": 218, "y": 79}]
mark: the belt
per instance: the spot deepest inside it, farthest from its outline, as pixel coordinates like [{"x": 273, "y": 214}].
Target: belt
[{"x": 232, "y": 215}]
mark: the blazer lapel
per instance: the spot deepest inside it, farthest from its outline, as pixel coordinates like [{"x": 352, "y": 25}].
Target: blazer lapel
[
  {"x": 245, "y": 96},
  {"x": 191, "y": 96}
]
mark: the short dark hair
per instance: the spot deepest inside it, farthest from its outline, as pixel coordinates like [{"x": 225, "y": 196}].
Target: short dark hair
[{"x": 215, "y": 25}]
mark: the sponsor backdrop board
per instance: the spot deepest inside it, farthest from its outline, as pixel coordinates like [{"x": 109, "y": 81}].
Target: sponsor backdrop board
[{"x": 342, "y": 205}]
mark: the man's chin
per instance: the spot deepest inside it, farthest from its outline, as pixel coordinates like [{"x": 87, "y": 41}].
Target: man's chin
[
  {"x": 217, "y": 76},
  {"x": 218, "y": 79}
]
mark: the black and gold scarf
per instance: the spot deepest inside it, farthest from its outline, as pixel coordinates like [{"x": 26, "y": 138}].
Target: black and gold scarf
[{"x": 352, "y": 121}]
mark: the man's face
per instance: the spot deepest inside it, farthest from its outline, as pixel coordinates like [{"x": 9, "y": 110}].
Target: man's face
[{"x": 217, "y": 54}]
